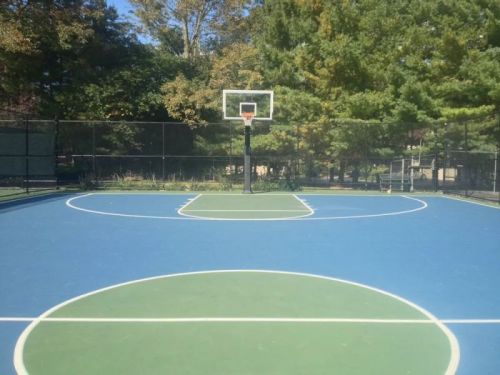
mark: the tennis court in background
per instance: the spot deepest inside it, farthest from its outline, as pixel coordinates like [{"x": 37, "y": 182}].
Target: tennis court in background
[{"x": 154, "y": 283}]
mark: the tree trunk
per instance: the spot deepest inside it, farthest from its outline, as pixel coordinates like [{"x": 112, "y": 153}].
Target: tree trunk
[
  {"x": 341, "y": 171},
  {"x": 331, "y": 173},
  {"x": 185, "y": 39}
]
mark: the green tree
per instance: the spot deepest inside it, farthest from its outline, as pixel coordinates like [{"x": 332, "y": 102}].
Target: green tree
[
  {"x": 35, "y": 40},
  {"x": 188, "y": 100},
  {"x": 196, "y": 23},
  {"x": 199, "y": 99}
]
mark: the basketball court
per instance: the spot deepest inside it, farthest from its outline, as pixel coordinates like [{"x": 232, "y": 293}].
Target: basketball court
[
  {"x": 161, "y": 213},
  {"x": 249, "y": 283}
]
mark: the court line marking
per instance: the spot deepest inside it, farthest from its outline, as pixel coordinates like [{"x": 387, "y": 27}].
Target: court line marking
[
  {"x": 70, "y": 204},
  {"x": 300, "y": 210},
  {"x": 183, "y": 211},
  {"x": 305, "y": 204},
  {"x": 188, "y": 202},
  {"x": 470, "y": 201},
  {"x": 185, "y": 216},
  {"x": 339, "y": 193},
  {"x": 471, "y": 321},
  {"x": 333, "y": 194},
  {"x": 423, "y": 206},
  {"x": 229, "y": 319},
  {"x": 454, "y": 346}
]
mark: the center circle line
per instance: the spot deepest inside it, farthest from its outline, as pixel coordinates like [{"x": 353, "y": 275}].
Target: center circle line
[
  {"x": 69, "y": 203},
  {"x": 454, "y": 355}
]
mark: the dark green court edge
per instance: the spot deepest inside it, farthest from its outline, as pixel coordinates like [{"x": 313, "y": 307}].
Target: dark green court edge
[{"x": 419, "y": 346}]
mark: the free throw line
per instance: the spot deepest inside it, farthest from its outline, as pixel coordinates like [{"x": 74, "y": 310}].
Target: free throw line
[{"x": 245, "y": 320}]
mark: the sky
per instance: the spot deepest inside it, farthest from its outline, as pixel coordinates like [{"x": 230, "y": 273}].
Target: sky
[
  {"x": 123, "y": 6},
  {"x": 125, "y": 10}
]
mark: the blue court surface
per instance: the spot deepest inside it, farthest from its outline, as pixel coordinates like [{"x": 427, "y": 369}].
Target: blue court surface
[{"x": 437, "y": 254}]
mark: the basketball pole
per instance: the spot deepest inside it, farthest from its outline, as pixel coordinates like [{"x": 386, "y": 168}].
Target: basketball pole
[
  {"x": 247, "y": 188},
  {"x": 247, "y": 101}
]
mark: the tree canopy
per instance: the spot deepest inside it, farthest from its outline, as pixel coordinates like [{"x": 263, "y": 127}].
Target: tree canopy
[{"x": 354, "y": 78}]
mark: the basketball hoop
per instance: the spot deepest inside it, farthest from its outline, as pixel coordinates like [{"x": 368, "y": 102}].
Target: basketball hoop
[
  {"x": 247, "y": 118},
  {"x": 247, "y": 105}
]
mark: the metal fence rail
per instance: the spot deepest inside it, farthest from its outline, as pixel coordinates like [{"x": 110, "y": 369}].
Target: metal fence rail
[{"x": 39, "y": 154}]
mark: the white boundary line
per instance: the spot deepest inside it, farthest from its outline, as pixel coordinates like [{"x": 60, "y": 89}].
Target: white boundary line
[
  {"x": 423, "y": 206},
  {"x": 245, "y": 320},
  {"x": 185, "y": 216},
  {"x": 454, "y": 347},
  {"x": 385, "y": 195},
  {"x": 470, "y": 201},
  {"x": 189, "y": 201},
  {"x": 182, "y": 211},
  {"x": 299, "y": 210},
  {"x": 189, "y": 216},
  {"x": 305, "y": 204},
  {"x": 471, "y": 321},
  {"x": 229, "y": 319},
  {"x": 70, "y": 204}
]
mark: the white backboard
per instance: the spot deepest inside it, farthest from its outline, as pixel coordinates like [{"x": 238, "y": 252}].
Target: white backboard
[{"x": 234, "y": 100}]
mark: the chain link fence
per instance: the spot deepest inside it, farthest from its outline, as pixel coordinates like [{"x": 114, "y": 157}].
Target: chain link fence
[
  {"x": 472, "y": 174},
  {"x": 38, "y": 154},
  {"x": 27, "y": 154}
]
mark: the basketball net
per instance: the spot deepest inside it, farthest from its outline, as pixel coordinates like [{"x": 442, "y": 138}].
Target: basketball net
[{"x": 247, "y": 118}]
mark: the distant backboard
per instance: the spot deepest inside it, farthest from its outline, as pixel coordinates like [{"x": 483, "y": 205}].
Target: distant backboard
[{"x": 237, "y": 102}]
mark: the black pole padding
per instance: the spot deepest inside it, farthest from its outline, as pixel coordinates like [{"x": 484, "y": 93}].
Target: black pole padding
[{"x": 247, "y": 188}]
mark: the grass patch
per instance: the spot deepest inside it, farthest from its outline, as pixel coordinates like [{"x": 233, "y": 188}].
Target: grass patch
[{"x": 131, "y": 183}]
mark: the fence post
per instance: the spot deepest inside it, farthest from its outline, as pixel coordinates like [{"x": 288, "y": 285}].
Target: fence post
[
  {"x": 27, "y": 154},
  {"x": 496, "y": 155},
  {"x": 435, "y": 172},
  {"x": 94, "y": 167},
  {"x": 445, "y": 161},
  {"x": 297, "y": 153},
  {"x": 56, "y": 150},
  {"x": 403, "y": 174},
  {"x": 412, "y": 188},
  {"x": 495, "y": 172},
  {"x": 466, "y": 161},
  {"x": 163, "y": 151},
  {"x": 390, "y": 177}
]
